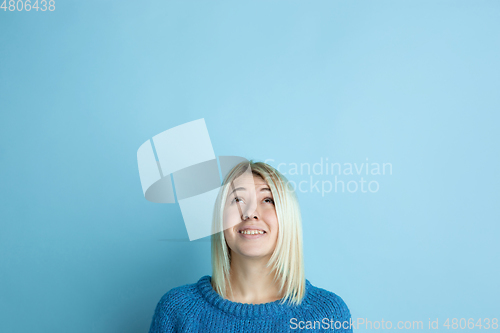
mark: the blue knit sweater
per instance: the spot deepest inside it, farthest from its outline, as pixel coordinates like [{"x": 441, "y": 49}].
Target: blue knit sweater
[{"x": 199, "y": 308}]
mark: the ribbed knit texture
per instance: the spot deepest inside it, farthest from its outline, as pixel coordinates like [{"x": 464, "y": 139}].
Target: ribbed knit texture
[{"x": 198, "y": 307}]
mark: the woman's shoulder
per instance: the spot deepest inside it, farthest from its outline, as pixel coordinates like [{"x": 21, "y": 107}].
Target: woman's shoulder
[
  {"x": 174, "y": 306},
  {"x": 327, "y": 302},
  {"x": 180, "y": 296}
]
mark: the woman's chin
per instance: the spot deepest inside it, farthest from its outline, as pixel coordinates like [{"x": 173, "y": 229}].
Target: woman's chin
[{"x": 255, "y": 254}]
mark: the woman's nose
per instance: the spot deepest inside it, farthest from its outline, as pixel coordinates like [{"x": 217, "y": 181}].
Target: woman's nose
[{"x": 252, "y": 215}]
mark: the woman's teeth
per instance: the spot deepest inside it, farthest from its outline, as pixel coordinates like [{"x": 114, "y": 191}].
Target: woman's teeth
[{"x": 251, "y": 232}]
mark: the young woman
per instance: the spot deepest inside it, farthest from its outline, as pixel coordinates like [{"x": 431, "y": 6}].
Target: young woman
[{"x": 258, "y": 282}]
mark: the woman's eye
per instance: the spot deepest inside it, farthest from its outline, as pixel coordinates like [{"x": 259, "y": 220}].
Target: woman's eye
[
  {"x": 269, "y": 200},
  {"x": 237, "y": 199}
]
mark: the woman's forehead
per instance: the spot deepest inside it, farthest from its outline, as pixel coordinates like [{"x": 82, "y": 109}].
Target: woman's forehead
[{"x": 247, "y": 180}]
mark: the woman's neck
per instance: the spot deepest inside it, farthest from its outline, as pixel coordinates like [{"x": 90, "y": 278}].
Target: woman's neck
[{"x": 252, "y": 282}]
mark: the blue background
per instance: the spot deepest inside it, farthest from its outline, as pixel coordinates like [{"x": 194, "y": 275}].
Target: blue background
[{"x": 411, "y": 83}]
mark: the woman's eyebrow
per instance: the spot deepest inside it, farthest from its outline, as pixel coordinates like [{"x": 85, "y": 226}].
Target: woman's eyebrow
[
  {"x": 237, "y": 189},
  {"x": 264, "y": 189}
]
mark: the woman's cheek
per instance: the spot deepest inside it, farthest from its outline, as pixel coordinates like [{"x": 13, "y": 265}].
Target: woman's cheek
[{"x": 230, "y": 219}]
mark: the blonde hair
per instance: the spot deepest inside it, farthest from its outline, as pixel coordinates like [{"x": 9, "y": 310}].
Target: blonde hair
[{"x": 287, "y": 259}]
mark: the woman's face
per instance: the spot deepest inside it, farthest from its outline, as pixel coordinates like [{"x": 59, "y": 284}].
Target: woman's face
[{"x": 250, "y": 212}]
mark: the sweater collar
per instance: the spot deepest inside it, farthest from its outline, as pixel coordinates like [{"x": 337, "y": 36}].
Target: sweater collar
[{"x": 241, "y": 309}]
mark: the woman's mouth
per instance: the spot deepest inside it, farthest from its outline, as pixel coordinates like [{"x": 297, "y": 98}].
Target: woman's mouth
[{"x": 251, "y": 233}]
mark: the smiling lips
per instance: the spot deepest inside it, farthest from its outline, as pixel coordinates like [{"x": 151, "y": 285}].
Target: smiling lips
[{"x": 251, "y": 233}]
